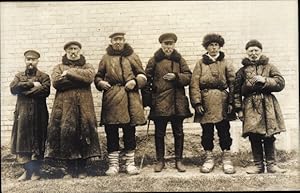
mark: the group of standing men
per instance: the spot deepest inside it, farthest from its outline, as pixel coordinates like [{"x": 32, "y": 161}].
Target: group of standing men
[{"x": 217, "y": 93}]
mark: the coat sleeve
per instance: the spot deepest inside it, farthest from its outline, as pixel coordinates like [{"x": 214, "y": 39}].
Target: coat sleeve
[
  {"x": 183, "y": 78},
  {"x": 100, "y": 74},
  {"x": 275, "y": 82},
  {"x": 17, "y": 87},
  {"x": 238, "y": 82},
  {"x": 230, "y": 78},
  {"x": 147, "y": 90},
  {"x": 139, "y": 72},
  {"x": 59, "y": 82},
  {"x": 195, "y": 94},
  {"x": 85, "y": 75},
  {"x": 42, "y": 91}
]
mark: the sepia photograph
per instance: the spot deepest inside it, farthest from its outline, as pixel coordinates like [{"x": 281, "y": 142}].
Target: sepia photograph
[{"x": 149, "y": 96}]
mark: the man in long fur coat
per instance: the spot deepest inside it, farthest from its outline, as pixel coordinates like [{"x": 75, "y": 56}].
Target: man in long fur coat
[{"x": 72, "y": 130}]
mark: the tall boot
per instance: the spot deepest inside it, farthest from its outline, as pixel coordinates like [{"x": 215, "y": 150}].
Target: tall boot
[
  {"x": 160, "y": 153},
  {"x": 258, "y": 157},
  {"x": 28, "y": 171},
  {"x": 113, "y": 159},
  {"x": 228, "y": 167},
  {"x": 209, "y": 162},
  {"x": 36, "y": 175},
  {"x": 131, "y": 169},
  {"x": 270, "y": 156},
  {"x": 81, "y": 163},
  {"x": 71, "y": 167},
  {"x": 179, "y": 140}
]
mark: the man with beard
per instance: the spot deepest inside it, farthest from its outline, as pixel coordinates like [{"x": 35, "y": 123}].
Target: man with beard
[
  {"x": 31, "y": 116},
  {"x": 72, "y": 134},
  {"x": 120, "y": 76},
  {"x": 167, "y": 74},
  {"x": 258, "y": 108}
]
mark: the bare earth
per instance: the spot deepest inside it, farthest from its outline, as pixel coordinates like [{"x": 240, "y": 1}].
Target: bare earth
[{"x": 169, "y": 180}]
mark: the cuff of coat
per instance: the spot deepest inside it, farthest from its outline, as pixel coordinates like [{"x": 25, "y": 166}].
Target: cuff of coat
[{"x": 141, "y": 80}]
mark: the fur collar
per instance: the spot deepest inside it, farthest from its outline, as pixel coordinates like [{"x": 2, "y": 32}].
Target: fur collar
[
  {"x": 263, "y": 60},
  {"x": 160, "y": 55},
  {"x": 68, "y": 62},
  {"x": 207, "y": 60},
  {"x": 127, "y": 51}
]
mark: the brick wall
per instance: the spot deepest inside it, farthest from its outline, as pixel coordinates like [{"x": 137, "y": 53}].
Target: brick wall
[{"x": 46, "y": 26}]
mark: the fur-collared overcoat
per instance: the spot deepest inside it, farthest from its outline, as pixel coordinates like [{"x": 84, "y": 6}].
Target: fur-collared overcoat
[
  {"x": 31, "y": 113},
  {"x": 262, "y": 113},
  {"x": 118, "y": 105},
  {"x": 167, "y": 98},
  {"x": 72, "y": 127},
  {"x": 209, "y": 88}
]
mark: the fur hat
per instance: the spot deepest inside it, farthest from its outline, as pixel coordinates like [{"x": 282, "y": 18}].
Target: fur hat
[
  {"x": 252, "y": 43},
  {"x": 167, "y": 37},
  {"x": 209, "y": 38},
  {"x": 72, "y": 43}
]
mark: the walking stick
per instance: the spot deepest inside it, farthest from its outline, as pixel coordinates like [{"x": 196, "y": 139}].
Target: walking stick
[{"x": 147, "y": 134}]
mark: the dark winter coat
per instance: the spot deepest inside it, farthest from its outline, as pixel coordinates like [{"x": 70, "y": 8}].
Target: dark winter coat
[
  {"x": 167, "y": 98},
  {"x": 262, "y": 113},
  {"x": 72, "y": 128},
  {"x": 209, "y": 88},
  {"x": 31, "y": 113},
  {"x": 118, "y": 105}
]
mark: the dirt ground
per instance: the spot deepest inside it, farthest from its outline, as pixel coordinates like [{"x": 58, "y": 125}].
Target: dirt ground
[{"x": 147, "y": 181}]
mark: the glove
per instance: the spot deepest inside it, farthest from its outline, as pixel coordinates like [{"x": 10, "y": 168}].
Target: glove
[
  {"x": 130, "y": 85},
  {"x": 104, "y": 85},
  {"x": 241, "y": 115},
  {"x": 199, "y": 110}
]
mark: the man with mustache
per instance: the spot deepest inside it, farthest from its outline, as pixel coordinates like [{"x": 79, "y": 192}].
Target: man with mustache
[
  {"x": 167, "y": 74},
  {"x": 258, "y": 108},
  {"x": 31, "y": 116},
  {"x": 72, "y": 131},
  {"x": 120, "y": 76}
]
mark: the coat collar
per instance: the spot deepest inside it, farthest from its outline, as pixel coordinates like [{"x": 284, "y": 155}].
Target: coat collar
[
  {"x": 207, "y": 60},
  {"x": 263, "y": 60},
  {"x": 127, "y": 51},
  {"x": 68, "y": 62},
  {"x": 160, "y": 55}
]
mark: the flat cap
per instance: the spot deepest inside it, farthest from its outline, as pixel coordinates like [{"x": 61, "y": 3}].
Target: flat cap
[
  {"x": 252, "y": 43},
  {"x": 167, "y": 37},
  {"x": 31, "y": 54},
  {"x": 72, "y": 43},
  {"x": 117, "y": 34}
]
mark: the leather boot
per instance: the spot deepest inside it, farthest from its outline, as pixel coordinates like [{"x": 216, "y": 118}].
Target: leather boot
[
  {"x": 36, "y": 175},
  {"x": 114, "y": 168},
  {"x": 131, "y": 169},
  {"x": 209, "y": 162},
  {"x": 228, "y": 167},
  {"x": 258, "y": 156},
  {"x": 179, "y": 140},
  {"x": 160, "y": 153},
  {"x": 270, "y": 156},
  {"x": 81, "y": 168},
  {"x": 71, "y": 166}
]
